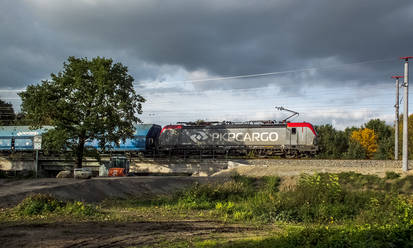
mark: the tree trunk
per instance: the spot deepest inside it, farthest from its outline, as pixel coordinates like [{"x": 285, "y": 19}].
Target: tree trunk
[{"x": 79, "y": 152}]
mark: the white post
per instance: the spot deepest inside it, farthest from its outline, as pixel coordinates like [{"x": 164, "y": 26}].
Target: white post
[
  {"x": 405, "y": 166},
  {"x": 37, "y": 164},
  {"x": 396, "y": 122}
]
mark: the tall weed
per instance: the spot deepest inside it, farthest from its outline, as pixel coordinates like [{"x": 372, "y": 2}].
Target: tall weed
[{"x": 41, "y": 204}]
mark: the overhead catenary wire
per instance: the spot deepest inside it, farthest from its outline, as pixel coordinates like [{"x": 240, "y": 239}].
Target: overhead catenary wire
[
  {"x": 276, "y": 72},
  {"x": 249, "y": 75}
]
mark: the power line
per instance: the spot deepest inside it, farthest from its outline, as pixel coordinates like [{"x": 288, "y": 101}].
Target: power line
[
  {"x": 247, "y": 75},
  {"x": 274, "y": 73}
]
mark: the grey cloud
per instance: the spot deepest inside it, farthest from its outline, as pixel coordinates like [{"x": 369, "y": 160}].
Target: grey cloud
[{"x": 222, "y": 37}]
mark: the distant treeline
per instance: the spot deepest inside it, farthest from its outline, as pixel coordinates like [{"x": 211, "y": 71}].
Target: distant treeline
[{"x": 373, "y": 140}]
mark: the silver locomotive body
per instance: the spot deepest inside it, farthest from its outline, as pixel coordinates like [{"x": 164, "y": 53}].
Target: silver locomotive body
[{"x": 274, "y": 138}]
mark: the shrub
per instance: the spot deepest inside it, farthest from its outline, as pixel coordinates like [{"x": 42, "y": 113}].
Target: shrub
[
  {"x": 321, "y": 198},
  {"x": 358, "y": 181},
  {"x": 80, "y": 209},
  {"x": 392, "y": 175},
  {"x": 317, "y": 198},
  {"x": 205, "y": 196},
  {"x": 40, "y": 204}
]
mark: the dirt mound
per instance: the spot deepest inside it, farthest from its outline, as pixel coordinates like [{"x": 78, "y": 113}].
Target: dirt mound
[{"x": 94, "y": 190}]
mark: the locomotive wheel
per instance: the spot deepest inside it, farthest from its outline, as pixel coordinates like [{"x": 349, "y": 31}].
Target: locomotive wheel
[{"x": 291, "y": 155}]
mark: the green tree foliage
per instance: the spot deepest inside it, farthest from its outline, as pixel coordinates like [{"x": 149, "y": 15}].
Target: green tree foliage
[
  {"x": 379, "y": 127},
  {"x": 385, "y": 135},
  {"x": 332, "y": 143},
  {"x": 89, "y": 99},
  {"x": 21, "y": 120},
  {"x": 355, "y": 151},
  {"x": 338, "y": 144},
  {"x": 7, "y": 115}
]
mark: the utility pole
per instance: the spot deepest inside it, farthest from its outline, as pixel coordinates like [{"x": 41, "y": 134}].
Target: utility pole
[
  {"x": 405, "y": 150},
  {"x": 396, "y": 120}
]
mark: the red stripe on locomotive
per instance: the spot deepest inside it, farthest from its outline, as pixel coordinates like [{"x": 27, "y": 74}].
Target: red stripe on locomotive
[{"x": 302, "y": 124}]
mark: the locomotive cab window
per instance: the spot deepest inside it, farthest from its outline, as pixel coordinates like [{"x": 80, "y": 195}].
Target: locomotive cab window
[{"x": 294, "y": 130}]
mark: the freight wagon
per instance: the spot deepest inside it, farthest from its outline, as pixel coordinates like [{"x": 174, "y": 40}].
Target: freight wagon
[
  {"x": 144, "y": 139},
  {"x": 20, "y": 138}
]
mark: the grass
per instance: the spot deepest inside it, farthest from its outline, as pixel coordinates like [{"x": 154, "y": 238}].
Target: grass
[
  {"x": 317, "y": 199},
  {"x": 43, "y": 206},
  {"x": 361, "y": 236},
  {"x": 322, "y": 210}
]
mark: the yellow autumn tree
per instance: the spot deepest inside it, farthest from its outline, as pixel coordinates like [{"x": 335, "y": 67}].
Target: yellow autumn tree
[{"x": 367, "y": 139}]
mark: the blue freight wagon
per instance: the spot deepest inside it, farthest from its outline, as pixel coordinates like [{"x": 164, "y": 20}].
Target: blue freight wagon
[
  {"x": 144, "y": 139},
  {"x": 19, "y": 138}
]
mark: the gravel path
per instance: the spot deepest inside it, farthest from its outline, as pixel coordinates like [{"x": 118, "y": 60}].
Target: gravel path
[{"x": 294, "y": 167}]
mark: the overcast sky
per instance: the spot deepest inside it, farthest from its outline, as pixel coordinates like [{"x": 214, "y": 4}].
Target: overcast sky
[{"x": 332, "y": 60}]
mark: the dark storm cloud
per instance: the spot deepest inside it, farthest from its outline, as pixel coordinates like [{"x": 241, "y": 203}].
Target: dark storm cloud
[
  {"x": 223, "y": 38},
  {"x": 22, "y": 47}
]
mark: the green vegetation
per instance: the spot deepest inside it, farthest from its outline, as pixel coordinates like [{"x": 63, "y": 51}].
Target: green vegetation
[
  {"x": 374, "y": 140},
  {"x": 46, "y": 206},
  {"x": 359, "y": 236},
  {"x": 321, "y": 199},
  {"x": 324, "y": 210},
  {"x": 392, "y": 175},
  {"x": 354, "y": 143},
  {"x": 321, "y": 210},
  {"x": 88, "y": 99}
]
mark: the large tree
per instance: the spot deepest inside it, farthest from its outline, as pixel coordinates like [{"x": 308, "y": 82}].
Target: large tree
[{"x": 89, "y": 99}]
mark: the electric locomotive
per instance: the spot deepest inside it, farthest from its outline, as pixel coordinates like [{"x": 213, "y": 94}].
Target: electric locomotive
[{"x": 289, "y": 139}]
